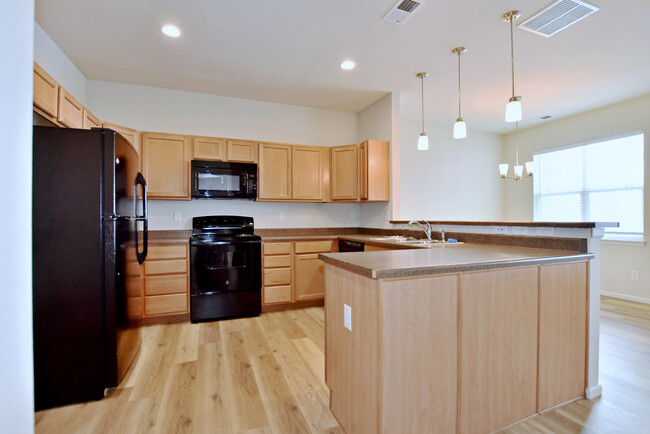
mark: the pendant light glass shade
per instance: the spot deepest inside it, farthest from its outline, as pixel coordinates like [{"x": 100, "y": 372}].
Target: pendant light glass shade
[
  {"x": 423, "y": 140},
  {"x": 513, "y": 111},
  {"x": 513, "y": 108},
  {"x": 503, "y": 169},
  {"x": 460, "y": 129},
  {"x": 517, "y": 168}
]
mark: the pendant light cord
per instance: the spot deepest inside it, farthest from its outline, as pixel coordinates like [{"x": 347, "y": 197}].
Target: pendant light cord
[
  {"x": 459, "y": 116},
  {"x": 512, "y": 56},
  {"x": 517, "y": 143},
  {"x": 422, "y": 78}
]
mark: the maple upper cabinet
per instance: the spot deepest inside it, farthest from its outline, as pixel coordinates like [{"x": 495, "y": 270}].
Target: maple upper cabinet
[
  {"x": 307, "y": 172},
  {"x": 374, "y": 171},
  {"x": 208, "y": 148},
  {"x": 90, "y": 120},
  {"x": 166, "y": 165},
  {"x": 344, "y": 178},
  {"x": 243, "y": 151},
  {"x": 71, "y": 112},
  {"x": 132, "y": 136},
  {"x": 274, "y": 172},
  {"x": 46, "y": 93}
]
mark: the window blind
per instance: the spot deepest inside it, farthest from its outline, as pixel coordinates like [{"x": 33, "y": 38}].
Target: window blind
[{"x": 601, "y": 181}]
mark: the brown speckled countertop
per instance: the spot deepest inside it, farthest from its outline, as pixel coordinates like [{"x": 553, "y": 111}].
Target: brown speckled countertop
[{"x": 448, "y": 258}]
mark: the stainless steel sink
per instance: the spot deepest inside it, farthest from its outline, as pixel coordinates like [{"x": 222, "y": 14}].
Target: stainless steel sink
[{"x": 431, "y": 243}]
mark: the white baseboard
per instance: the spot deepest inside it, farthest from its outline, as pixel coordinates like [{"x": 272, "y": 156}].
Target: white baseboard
[
  {"x": 594, "y": 392},
  {"x": 625, "y": 297}
]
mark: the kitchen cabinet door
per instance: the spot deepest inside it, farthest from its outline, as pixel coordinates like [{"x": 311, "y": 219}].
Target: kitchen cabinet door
[
  {"x": 132, "y": 136},
  {"x": 90, "y": 120},
  {"x": 375, "y": 170},
  {"x": 166, "y": 165},
  {"x": 71, "y": 112},
  {"x": 243, "y": 151},
  {"x": 208, "y": 148},
  {"x": 562, "y": 333},
  {"x": 46, "y": 93},
  {"x": 274, "y": 172},
  {"x": 345, "y": 172},
  {"x": 307, "y": 173},
  {"x": 309, "y": 277}
]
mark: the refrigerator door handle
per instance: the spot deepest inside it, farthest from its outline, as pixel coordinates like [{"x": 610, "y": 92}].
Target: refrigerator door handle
[{"x": 139, "y": 180}]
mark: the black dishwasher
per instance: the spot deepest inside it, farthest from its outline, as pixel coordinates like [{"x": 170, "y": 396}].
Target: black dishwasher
[{"x": 350, "y": 246}]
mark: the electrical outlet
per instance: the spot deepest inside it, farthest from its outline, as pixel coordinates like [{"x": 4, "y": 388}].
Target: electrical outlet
[
  {"x": 177, "y": 216},
  {"x": 499, "y": 229},
  {"x": 347, "y": 317},
  {"x": 280, "y": 216},
  {"x": 634, "y": 275}
]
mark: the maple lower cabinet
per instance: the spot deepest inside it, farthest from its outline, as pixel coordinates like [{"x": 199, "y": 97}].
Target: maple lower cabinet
[
  {"x": 292, "y": 272},
  {"x": 309, "y": 281},
  {"x": 166, "y": 165},
  {"x": 277, "y": 269},
  {"x": 132, "y": 136},
  {"x": 166, "y": 280},
  {"x": 344, "y": 178},
  {"x": 46, "y": 93},
  {"x": 274, "y": 172}
]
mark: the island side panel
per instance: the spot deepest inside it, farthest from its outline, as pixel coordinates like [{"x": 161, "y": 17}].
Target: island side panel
[
  {"x": 418, "y": 354},
  {"x": 563, "y": 302},
  {"x": 351, "y": 356},
  {"x": 498, "y": 348}
]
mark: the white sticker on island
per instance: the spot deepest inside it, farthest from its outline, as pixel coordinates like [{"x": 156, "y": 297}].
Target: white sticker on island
[{"x": 347, "y": 317}]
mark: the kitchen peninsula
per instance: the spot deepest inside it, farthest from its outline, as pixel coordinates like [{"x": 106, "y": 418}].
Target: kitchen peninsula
[{"x": 455, "y": 338}]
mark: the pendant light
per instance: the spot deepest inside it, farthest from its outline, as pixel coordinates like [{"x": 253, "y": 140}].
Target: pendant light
[
  {"x": 513, "y": 108},
  {"x": 518, "y": 170},
  {"x": 423, "y": 140},
  {"x": 460, "y": 129}
]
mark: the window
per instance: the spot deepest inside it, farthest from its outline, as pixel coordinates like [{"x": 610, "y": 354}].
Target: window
[{"x": 601, "y": 181}]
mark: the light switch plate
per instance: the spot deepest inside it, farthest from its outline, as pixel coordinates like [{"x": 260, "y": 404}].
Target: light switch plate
[
  {"x": 177, "y": 216},
  {"x": 347, "y": 317}
]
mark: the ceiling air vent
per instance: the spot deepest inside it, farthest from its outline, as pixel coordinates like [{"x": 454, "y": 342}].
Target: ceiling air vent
[
  {"x": 558, "y": 16},
  {"x": 402, "y": 10}
]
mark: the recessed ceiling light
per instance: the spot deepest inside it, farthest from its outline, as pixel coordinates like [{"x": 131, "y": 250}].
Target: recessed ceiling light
[
  {"x": 171, "y": 30},
  {"x": 348, "y": 65}
]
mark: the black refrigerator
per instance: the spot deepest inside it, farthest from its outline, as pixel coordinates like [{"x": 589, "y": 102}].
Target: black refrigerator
[{"x": 89, "y": 232}]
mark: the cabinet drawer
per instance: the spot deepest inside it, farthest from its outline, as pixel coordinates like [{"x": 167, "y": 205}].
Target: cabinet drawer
[
  {"x": 167, "y": 252},
  {"x": 276, "y": 248},
  {"x": 165, "y": 304},
  {"x": 277, "y": 294},
  {"x": 313, "y": 246},
  {"x": 277, "y": 261},
  {"x": 277, "y": 276},
  {"x": 155, "y": 285},
  {"x": 165, "y": 267}
]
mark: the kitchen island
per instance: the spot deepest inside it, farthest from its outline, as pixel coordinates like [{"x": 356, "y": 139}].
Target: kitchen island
[{"x": 456, "y": 338}]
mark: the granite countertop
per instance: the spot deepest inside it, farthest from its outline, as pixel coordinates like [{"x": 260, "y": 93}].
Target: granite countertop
[{"x": 447, "y": 258}]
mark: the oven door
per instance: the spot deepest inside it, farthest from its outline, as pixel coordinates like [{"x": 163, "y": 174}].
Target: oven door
[{"x": 225, "y": 279}]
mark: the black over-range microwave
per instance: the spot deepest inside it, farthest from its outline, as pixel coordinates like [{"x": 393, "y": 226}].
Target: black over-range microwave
[{"x": 222, "y": 180}]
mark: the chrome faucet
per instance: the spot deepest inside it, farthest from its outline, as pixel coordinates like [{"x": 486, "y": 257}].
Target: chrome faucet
[
  {"x": 442, "y": 234},
  {"x": 426, "y": 230}
]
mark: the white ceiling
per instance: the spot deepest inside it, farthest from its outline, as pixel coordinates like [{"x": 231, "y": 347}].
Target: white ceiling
[{"x": 288, "y": 51}]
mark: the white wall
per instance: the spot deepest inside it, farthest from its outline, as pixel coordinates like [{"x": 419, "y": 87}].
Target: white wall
[
  {"x": 172, "y": 111},
  {"x": 16, "y": 361},
  {"x": 454, "y": 179},
  {"x": 618, "y": 260},
  {"x": 58, "y": 65},
  {"x": 375, "y": 123}
]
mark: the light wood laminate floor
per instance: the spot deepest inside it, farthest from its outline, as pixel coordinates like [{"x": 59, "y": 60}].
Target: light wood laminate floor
[{"x": 265, "y": 375}]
